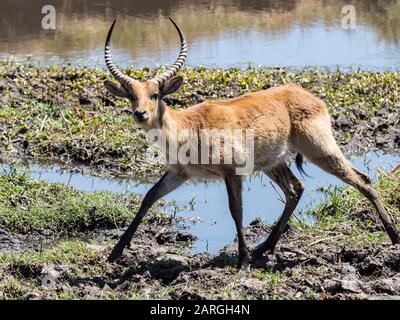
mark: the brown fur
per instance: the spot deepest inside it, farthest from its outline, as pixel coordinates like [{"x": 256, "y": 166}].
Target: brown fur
[{"x": 283, "y": 110}]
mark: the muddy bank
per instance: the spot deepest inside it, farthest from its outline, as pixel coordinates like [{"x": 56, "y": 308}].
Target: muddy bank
[
  {"x": 345, "y": 254},
  {"x": 161, "y": 269},
  {"x": 36, "y": 214},
  {"x": 10, "y": 242},
  {"x": 320, "y": 271},
  {"x": 65, "y": 114}
]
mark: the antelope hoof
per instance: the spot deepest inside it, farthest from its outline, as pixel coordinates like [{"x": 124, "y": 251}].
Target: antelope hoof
[
  {"x": 243, "y": 262},
  {"x": 261, "y": 249},
  {"x": 115, "y": 254},
  {"x": 256, "y": 256}
]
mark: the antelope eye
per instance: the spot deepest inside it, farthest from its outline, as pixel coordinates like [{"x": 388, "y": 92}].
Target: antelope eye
[{"x": 154, "y": 96}]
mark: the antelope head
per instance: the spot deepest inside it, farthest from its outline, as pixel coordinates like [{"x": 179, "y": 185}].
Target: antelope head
[{"x": 146, "y": 97}]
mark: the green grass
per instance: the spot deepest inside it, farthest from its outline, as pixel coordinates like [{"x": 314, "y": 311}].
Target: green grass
[
  {"x": 23, "y": 273},
  {"x": 62, "y": 253},
  {"x": 28, "y": 205},
  {"x": 270, "y": 277},
  {"x": 337, "y": 217}
]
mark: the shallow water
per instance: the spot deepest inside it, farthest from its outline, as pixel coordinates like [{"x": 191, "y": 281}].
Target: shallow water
[
  {"x": 220, "y": 33},
  {"x": 207, "y": 203}
]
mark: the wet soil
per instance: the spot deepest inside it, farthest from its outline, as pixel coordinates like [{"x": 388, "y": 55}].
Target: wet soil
[{"x": 157, "y": 266}]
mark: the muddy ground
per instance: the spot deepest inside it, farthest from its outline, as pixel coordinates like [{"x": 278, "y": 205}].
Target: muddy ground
[{"x": 158, "y": 267}]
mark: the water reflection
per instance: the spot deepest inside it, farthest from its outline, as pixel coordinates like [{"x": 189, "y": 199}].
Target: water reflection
[{"x": 222, "y": 33}]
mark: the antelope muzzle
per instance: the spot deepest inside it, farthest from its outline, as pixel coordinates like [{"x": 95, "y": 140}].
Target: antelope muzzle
[{"x": 141, "y": 116}]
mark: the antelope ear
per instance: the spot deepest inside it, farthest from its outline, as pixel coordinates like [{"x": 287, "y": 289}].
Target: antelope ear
[
  {"x": 116, "y": 89},
  {"x": 172, "y": 85}
]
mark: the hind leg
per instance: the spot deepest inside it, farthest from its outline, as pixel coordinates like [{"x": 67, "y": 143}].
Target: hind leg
[
  {"x": 293, "y": 189},
  {"x": 337, "y": 165},
  {"x": 319, "y": 146}
]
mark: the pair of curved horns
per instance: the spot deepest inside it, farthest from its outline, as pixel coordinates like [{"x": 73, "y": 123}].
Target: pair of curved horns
[{"x": 125, "y": 80}]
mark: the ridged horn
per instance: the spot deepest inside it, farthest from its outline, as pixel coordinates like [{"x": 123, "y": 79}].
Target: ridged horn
[
  {"x": 179, "y": 62},
  {"x": 118, "y": 75}
]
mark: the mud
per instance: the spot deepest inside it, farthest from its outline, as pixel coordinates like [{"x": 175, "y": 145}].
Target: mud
[
  {"x": 157, "y": 266},
  {"x": 10, "y": 242}
]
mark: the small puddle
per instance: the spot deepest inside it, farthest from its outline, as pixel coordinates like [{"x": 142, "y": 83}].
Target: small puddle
[{"x": 206, "y": 204}]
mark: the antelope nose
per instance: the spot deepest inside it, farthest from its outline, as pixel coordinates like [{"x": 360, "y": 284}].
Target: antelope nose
[{"x": 141, "y": 115}]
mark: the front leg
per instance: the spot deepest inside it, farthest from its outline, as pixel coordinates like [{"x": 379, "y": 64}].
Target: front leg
[
  {"x": 169, "y": 182},
  {"x": 234, "y": 188}
]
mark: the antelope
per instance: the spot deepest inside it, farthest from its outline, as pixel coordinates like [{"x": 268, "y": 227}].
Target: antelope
[{"x": 286, "y": 121}]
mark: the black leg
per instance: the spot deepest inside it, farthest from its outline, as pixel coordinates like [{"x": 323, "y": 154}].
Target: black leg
[
  {"x": 234, "y": 188},
  {"x": 293, "y": 189},
  {"x": 169, "y": 182}
]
